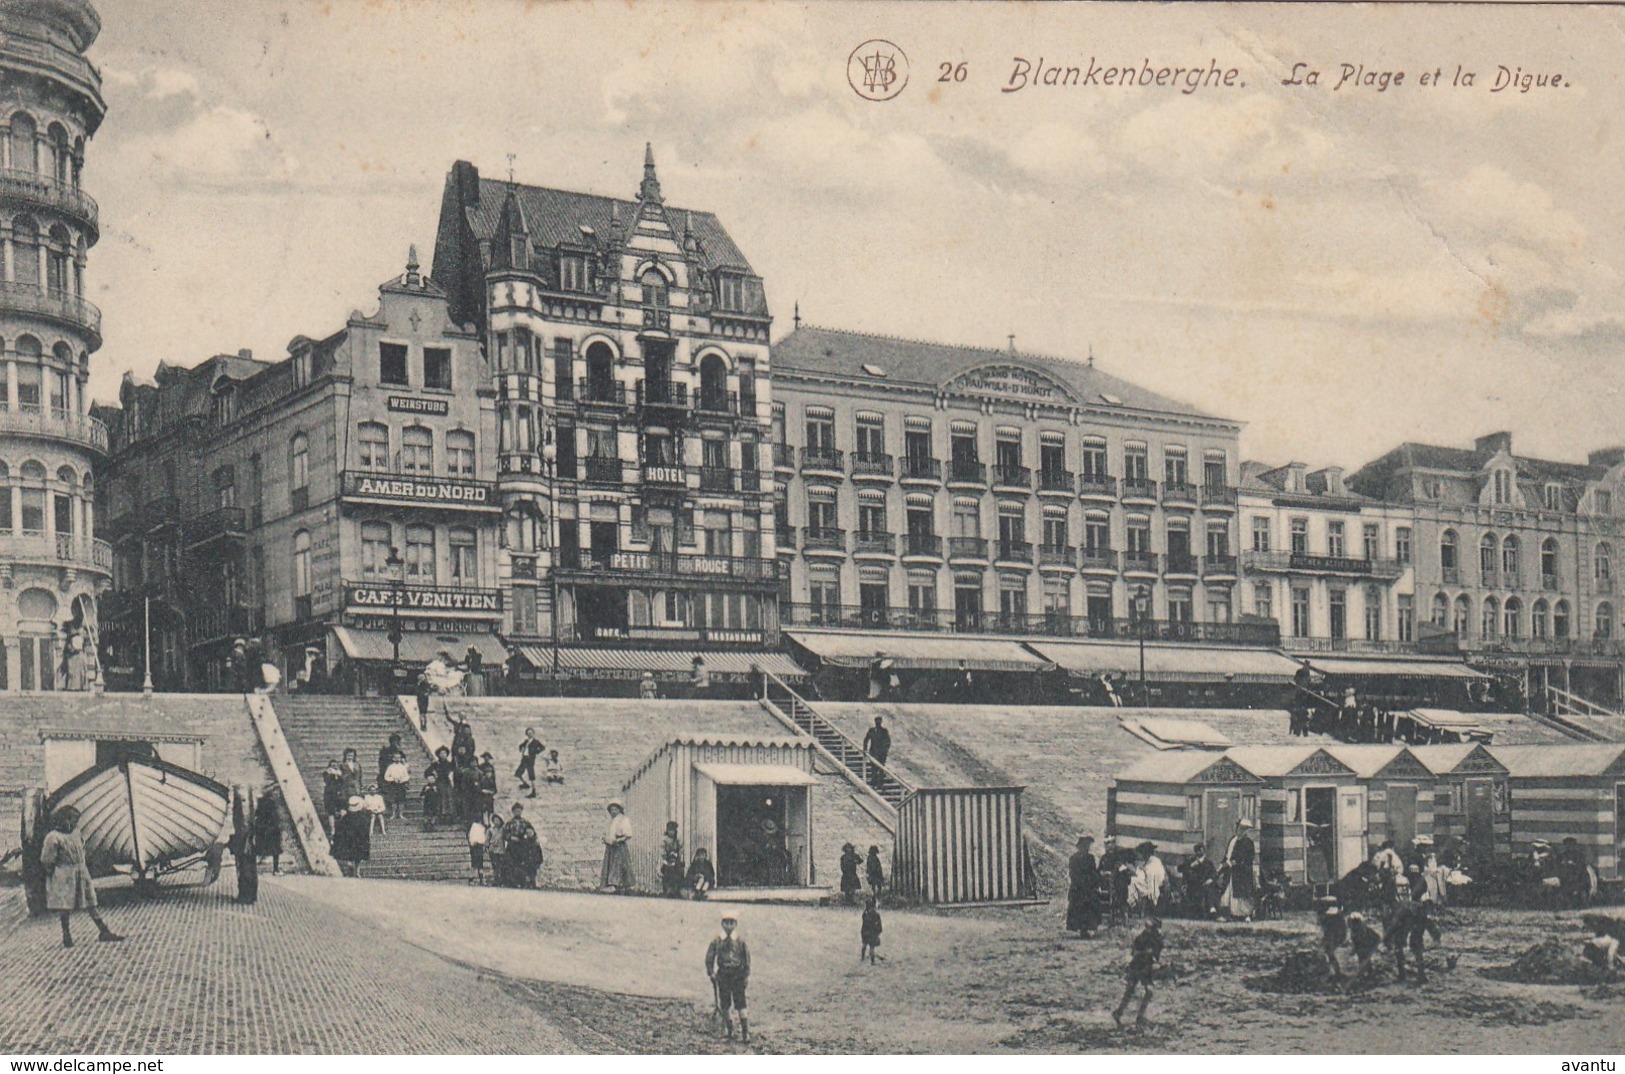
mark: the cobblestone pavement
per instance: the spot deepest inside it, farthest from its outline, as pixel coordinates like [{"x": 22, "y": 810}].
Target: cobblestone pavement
[{"x": 201, "y": 975}]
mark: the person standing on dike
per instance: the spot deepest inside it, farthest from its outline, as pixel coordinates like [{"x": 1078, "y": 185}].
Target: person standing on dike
[{"x": 67, "y": 877}]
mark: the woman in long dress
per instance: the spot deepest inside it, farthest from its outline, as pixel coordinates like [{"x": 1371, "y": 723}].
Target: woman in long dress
[
  {"x": 1083, "y": 892},
  {"x": 1241, "y": 868},
  {"x": 67, "y": 878},
  {"x": 617, "y": 852}
]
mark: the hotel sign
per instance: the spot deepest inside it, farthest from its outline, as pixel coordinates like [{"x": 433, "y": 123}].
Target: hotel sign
[
  {"x": 418, "y": 490},
  {"x": 1010, "y": 380},
  {"x": 424, "y": 599},
  {"x": 411, "y": 404}
]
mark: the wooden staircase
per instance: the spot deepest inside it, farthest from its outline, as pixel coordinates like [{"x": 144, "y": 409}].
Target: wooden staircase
[
  {"x": 883, "y": 785},
  {"x": 1570, "y": 713}
]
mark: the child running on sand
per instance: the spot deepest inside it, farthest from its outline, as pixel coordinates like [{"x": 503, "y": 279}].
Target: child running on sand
[{"x": 870, "y": 932}]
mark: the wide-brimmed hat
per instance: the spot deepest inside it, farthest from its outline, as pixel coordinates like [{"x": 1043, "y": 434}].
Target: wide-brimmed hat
[
  {"x": 487, "y": 756},
  {"x": 1244, "y": 823},
  {"x": 1085, "y": 840},
  {"x": 616, "y": 803},
  {"x": 731, "y": 915},
  {"x": 355, "y": 801},
  {"x": 1147, "y": 846},
  {"x": 848, "y": 846}
]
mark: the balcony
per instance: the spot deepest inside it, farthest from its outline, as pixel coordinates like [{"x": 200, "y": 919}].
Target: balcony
[
  {"x": 670, "y": 564},
  {"x": 874, "y": 543},
  {"x": 1010, "y": 551},
  {"x": 750, "y": 481},
  {"x": 1011, "y": 477},
  {"x": 593, "y": 393},
  {"x": 1180, "y": 493},
  {"x": 218, "y": 622},
  {"x": 602, "y": 471},
  {"x": 1451, "y": 575},
  {"x": 784, "y": 537},
  {"x": 718, "y": 479},
  {"x": 784, "y": 457},
  {"x": 1097, "y": 487},
  {"x": 59, "y": 306},
  {"x": 1139, "y": 489},
  {"x": 46, "y": 192},
  {"x": 967, "y": 548},
  {"x": 1305, "y": 563},
  {"x": 665, "y": 475},
  {"x": 159, "y": 513},
  {"x": 922, "y": 544},
  {"x": 1548, "y": 582},
  {"x": 1489, "y": 579},
  {"x": 1610, "y": 648},
  {"x": 823, "y": 539},
  {"x": 1057, "y": 555},
  {"x": 1182, "y": 563},
  {"x": 1062, "y": 481},
  {"x": 1140, "y": 562},
  {"x": 1098, "y": 560},
  {"x": 824, "y": 461},
  {"x": 56, "y": 550},
  {"x": 418, "y": 490},
  {"x": 872, "y": 467},
  {"x": 54, "y": 424},
  {"x": 717, "y": 405},
  {"x": 226, "y": 523},
  {"x": 916, "y": 468},
  {"x": 966, "y": 472},
  {"x": 1221, "y": 566},
  {"x": 1035, "y": 624},
  {"x": 1218, "y": 497}
]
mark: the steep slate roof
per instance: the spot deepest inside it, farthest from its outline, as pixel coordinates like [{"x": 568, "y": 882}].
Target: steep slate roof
[
  {"x": 555, "y": 217},
  {"x": 1591, "y": 759},
  {"x": 1470, "y": 460},
  {"x": 838, "y": 353}
]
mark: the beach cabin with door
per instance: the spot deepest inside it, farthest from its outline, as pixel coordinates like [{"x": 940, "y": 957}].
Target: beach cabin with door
[
  {"x": 1179, "y": 798},
  {"x": 1470, "y": 801},
  {"x": 747, "y": 801},
  {"x": 1399, "y": 793},
  {"x": 1559, "y": 791},
  {"x": 1312, "y": 826}
]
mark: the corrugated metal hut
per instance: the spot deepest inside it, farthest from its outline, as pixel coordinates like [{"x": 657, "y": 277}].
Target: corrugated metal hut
[
  {"x": 960, "y": 845},
  {"x": 1470, "y": 798},
  {"x": 1178, "y": 798},
  {"x": 1559, "y": 791},
  {"x": 747, "y": 801}
]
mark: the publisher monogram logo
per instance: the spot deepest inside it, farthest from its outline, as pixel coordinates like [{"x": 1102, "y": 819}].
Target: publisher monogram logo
[{"x": 877, "y": 70}]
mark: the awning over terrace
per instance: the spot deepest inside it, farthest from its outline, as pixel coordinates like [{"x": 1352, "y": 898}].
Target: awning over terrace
[
  {"x": 1171, "y": 663},
  {"x": 1393, "y": 668},
  {"x": 935, "y": 653},
  {"x": 666, "y": 665}
]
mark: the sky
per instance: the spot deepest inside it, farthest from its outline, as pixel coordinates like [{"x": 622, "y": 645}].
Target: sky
[{"x": 1340, "y": 269}]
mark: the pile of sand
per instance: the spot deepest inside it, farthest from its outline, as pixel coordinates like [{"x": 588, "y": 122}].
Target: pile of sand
[
  {"x": 1549, "y": 962},
  {"x": 1303, "y": 972}
]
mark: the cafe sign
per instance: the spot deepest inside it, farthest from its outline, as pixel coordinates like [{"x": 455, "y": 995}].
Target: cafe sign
[
  {"x": 422, "y": 491},
  {"x": 423, "y": 599}
]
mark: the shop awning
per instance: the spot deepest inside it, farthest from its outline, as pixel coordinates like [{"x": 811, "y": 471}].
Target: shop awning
[
  {"x": 1394, "y": 669},
  {"x": 666, "y": 665},
  {"x": 756, "y": 775},
  {"x": 1171, "y": 663},
  {"x": 418, "y": 647},
  {"x": 919, "y": 652}
]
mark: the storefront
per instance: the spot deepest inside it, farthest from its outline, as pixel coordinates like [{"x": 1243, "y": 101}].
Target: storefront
[{"x": 605, "y": 672}]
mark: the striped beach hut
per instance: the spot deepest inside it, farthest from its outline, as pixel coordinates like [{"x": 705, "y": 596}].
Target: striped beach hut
[
  {"x": 1558, "y": 791},
  {"x": 1470, "y": 799},
  {"x": 1178, "y": 798},
  {"x": 1312, "y": 823},
  {"x": 1399, "y": 798},
  {"x": 961, "y": 846}
]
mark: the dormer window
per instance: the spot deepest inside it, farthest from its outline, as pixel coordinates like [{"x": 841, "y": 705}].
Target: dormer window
[
  {"x": 730, "y": 291},
  {"x": 1603, "y": 501},
  {"x": 1554, "y": 496},
  {"x": 572, "y": 272},
  {"x": 1502, "y": 481}
]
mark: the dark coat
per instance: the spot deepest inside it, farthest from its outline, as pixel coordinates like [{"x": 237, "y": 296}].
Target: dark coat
[
  {"x": 849, "y": 872},
  {"x": 870, "y": 931},
  {"x": 267, "y": 827},
  {"x": 1083, "y": 892},
  {"x": 877, "y": 743}
]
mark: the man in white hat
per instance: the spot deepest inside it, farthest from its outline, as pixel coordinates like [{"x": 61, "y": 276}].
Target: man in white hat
[
  {"x": 727, "y": 963},
  {"x": 617, "y": 850}
]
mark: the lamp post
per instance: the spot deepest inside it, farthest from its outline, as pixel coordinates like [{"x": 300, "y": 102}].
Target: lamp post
[
  {"x": 392, "y": 563},
  {"x": 146, "y": 636},
  {"x": 1141, "y": 607},
  {"x": 550, "y": 458}
]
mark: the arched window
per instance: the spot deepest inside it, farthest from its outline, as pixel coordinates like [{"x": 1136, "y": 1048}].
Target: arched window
[
  {"x": 59, "y": 256},
  {"x": 1489, "y": 620},
  {"x": 1548, "y": 561},
  {"x": 655, "y": 292},
  {"x": 24, "y": 152},
  {"x": 1603, "y": 563},
  {"x": 1487, "y": 546},
  {"x": 460, "y": 453},
  {"x": 1461, "y": 622},
  {"x": 1441, "y": 610},
  {"x": 1605, "y": 620},
  {"x": 417, "y": 450},
  {"x": 301, "y": 563},
  {"x": 1560, "y": 619},
  {"x": 66, "y": 476},
  {"x": 600, "y": 372},
  {"x": 1512, "y": 618},
  {"x": 32, "y": 477},
  {"x": 1509, "y": 561},
  {"x": 375, "y": 541},
  {"x": 420, "y": 566},
  {"x": 25, "y": 251},
  {"x": 299, "y": 471},
  {"x": 373, "y": 439},
  {"x": 61, "y": 161},
  {"x": 713, "y": 384},
  {"x": 1539, "y": 620},
  {"x": 1447, "y": 552}
]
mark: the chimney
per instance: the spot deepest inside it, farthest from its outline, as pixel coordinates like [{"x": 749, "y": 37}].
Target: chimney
[
  {"x": 1607, "y": 458},
  {"x": 245, "y": 354},
  {"x": 465, "y": 179},
  {"x": 1493, "y": 444}
]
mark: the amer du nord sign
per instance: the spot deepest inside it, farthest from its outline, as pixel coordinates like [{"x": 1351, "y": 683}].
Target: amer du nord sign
[{"x": 425, "y": 491}]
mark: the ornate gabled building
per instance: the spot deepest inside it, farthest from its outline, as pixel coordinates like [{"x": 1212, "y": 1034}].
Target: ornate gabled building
[
  {"x": 52, "y": 567},
  {"x": 628, "y": 342},
  {"x": 1515, "y": 557}
]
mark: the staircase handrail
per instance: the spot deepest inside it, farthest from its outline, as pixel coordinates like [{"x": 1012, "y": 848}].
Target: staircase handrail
[
  {"x": 1580, "y": 706},
  {"x": 307, "y": 823},
  {"x": 820, "y": 723}
]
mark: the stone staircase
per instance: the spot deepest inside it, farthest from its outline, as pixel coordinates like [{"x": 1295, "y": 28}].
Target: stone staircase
[{"x": 320, "y": 728}]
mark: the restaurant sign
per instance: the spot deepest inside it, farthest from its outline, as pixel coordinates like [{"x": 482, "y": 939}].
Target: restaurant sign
[
  {"x": 424, "y": 491},
  {"x": 411, "y": 404},
  {"x": 420, "y": 598}
]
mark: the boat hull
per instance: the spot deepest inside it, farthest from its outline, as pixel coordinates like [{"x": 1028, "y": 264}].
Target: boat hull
[{"x": 144, "y": 815}]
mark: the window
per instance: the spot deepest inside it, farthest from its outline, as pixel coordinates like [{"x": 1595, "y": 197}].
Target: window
[
  {"x": 225, "y": 487},
  {"x": 572, "y": 272},
  {"x": 1402, "y": 544},
  {"x": 1263, "y": 600},
  {"x": 301, "y": 564},
  {"x": 1486, "y": 557},
  {"x": 1603, "y": 564},
  {"x": 392, "y": 364},
  {"x": 1097, "y": 534},
  {"x": 655, "y": 292},
  {"x": 1337, "y": 603},
  {"x": 1013, "y": 599},
  {"x": 375, "y": 541},
  {"x": 820, "y": 510},
  {"x": 730, "y": 291},
  {"x": 1605, "y": 620},
  {"x": 1300, "y": 612},
  {"x": 1441, "y": 610},
  {"x": 1218, "y": 538},
  {"x": 28, "y": 384},
  {"x": 1335, "y": 546},
  {"x": 1193, "y": 812},
  {"x": 1055, "y": 531},
  {"x": 1447, "y": 554},
  {"x": 1052, "y": 457},
  {"x": 967, "y": 518},
  {"x": 464, "y": 570},
  {"x": 917, "y": 443},
  {"x": 563, "y": 368},
  {"x": 1213, "y": 470},
  {"x": 824, "y": 593},
  {"x": 1371, "y": 541},
  {"x": 1218, "y": 605},
  {"x": 1553, "y": 497},
  {"x": 437, "y": 366},
  {"x": 1509, "y": 561},
  {"x": 1300, "y": 535},
  {"x": 1138, "y": 532},
  {"x": 1057, "y": 598},
  {"x": 1136, "y": 462},
  {"x": 460, "y": 453},
  {"x": 373, "y": 439},
  {"x": 1093, "y": 459},
  {"x": 1179, "y": 605},
  {"x": 871, "y": 439},
  {"x": 1548, "y": 560},
  {"x": 299, "y": 471},
  {"x": 1489, "y": 620},
  {"x": 1560, "y": 619},
  {"x": 1406, "y": 617},
  {"x": 1502, "y": 481},
  {"x": 1512, "y": 618},
  {"x": 1261, "y": 535},
  {"x": 1176, "y": 467},
  {"x": 417, "y": 450},
  {"x": 1373, "y": 613},
  {"x": 1539, "y": 620},
  {"x": 524, "y": 609},
  {"x": 420, "y": 554},
  {"x": 820, "y": 433},
  {"x": 1603, "y": 501},
  {"x": 1462, "y": 618},
  {"x": 872, "y": 514}
]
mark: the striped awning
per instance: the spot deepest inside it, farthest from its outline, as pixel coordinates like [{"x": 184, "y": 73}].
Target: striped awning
[
  {"x": 918, "y": 652},
  {"x": 1393, "y": 668},
  {"x": 666, "y": 665},
  {"x": 418, "y": 647},
  {"x": 1171, "y": 663}
]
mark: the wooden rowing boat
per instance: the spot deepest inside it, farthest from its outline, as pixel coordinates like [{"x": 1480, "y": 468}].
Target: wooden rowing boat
[{"x": 146, "y": 816}]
